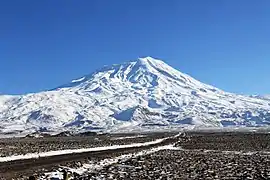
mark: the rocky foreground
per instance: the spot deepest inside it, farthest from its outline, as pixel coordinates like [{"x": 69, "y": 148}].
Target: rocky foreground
[
  {"x": 192, "y": 155},
  {"x": 172, "y": 164},
  {"x": 19, "y": 146},
  {"x": 201, "y": 156}
]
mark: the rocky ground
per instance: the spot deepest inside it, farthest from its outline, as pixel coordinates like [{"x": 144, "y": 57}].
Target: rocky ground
[
  {"x": 22, "y": 169},
  {"x": 172, "y": 164},
  {"x": 204, "y": 156},
  {"x": 195, "y": 155},
  {"x": 19, "y": 146},
  {"x": 228, "y": 141}
]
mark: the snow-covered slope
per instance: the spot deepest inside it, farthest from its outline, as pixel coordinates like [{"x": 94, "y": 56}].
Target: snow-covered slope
[
  {"x": 142, "y": 94},
  {"x": 265, "y": 97}
]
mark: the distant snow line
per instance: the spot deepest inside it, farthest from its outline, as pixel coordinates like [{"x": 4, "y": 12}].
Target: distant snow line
[
  {"x": 248, "y": 153},
  {"x": 127, "y": 137},
  {"x": 71, "y": 151}
]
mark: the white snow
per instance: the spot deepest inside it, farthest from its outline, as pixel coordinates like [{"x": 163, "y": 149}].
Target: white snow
[
  {"x": 52, "y": 175},
  {"x": 128, "y": 137},
  {"x": 78, "y": 80},
  {"x": 248, "y": 153},
  {"x": 138, "y": 95}
]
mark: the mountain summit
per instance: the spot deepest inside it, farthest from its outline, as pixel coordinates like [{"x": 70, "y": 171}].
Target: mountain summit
[
  {"x": 138, "y": 95},
  {"x": 145, "y": 72}
]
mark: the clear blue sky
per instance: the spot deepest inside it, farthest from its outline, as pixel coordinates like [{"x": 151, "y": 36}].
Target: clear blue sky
[{"x": 44, "y": 44}]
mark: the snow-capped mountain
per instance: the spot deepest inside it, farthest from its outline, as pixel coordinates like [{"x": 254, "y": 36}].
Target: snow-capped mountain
[{"x": 142, "y": 94}]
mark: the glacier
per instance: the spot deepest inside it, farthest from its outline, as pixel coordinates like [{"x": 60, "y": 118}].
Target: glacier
[{"x": 145, "y": 94}]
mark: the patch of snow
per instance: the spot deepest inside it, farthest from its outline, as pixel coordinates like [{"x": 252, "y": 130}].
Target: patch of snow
[
  {"x": 78, "y": 80},
  {"x": 249, "y": 153},
  {"x": 57, "y": 175},
  {"x": 128, "y": 137}
]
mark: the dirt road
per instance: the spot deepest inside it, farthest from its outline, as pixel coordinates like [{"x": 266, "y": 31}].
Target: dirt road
[{"x": 23, "y": 168}]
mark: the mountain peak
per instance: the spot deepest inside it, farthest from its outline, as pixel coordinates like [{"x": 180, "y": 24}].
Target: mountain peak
[
  {"x": 150, "y": 59},
  {"x": 147, "y": 58},
  {"x": 146, "y": 71}
]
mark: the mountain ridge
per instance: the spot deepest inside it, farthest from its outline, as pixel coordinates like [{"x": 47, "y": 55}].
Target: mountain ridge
[{"x": 142, "y": 94}]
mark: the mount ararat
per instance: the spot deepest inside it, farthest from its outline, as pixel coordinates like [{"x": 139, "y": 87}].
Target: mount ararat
[{"x": 145, "y": 94}]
